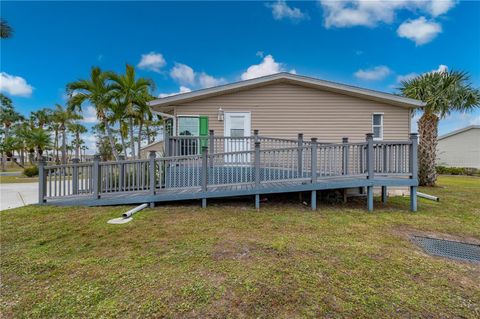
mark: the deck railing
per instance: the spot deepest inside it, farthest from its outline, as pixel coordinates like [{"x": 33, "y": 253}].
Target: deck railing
[
  {"x": 192, "y": 145},
  {"x": 300, "y": 162}
]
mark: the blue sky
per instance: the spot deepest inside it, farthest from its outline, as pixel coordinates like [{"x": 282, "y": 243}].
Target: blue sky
[{"x": 188, "y": 45}]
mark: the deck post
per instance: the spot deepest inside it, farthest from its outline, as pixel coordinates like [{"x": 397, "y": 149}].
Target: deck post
[
  {"x": 96, "y": 176},
  {"x": 204, "y": 174},
  {"x": 346, "y": 151},
  {"x": 384, "y": 194},
  {"x": 255, "y": 136},
  {"x": 313, "y": 161},
  {"x": 370, "y": 170},
  {"x": 151, "y": 172},
  {"x": 313, "y": 200},
  {"x": 211, "y": 141},
  {"x": 75, "y": 175},
  {"x": 413, "y": 163},
  {"x": 257, "y": 171},
  {"x": 300, "y": 155},
  {"x": 121, "y": 173},
  {"x": 42, "y": 180}
]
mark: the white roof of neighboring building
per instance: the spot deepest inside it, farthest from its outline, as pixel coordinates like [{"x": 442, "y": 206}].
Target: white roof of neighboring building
[
  {"x": 467, "y": 128},
  {"x": 287, "y": 78}
]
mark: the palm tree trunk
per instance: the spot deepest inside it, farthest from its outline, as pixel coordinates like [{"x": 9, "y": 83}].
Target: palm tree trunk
[
  {"x": 4, "y": 153},
  {"x": 427, "y": 149},
  {"x": 147, "y": 129},
  {"x": 31, "y": 155},
  {"x": 124, "y": 146},
  {"x": 64, "y": 147},
  {"x": 57, "y": 160},
  {"x": 110, "y": 138},
  {"x": 139, "y": 142},
  {"x": 22, "y": 157},
  {"x": 132, "y": 139},
  {"x": 77, "y": 149}
]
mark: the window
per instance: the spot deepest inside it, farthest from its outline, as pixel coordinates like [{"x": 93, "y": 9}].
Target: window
[
  {"x": 377, "y": 126},
  {"x": 188, "y": 125},
  {"x": 237, "y": 126}
]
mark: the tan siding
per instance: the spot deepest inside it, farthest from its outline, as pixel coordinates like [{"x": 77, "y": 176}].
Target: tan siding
[{"x": 283, "y": 110}]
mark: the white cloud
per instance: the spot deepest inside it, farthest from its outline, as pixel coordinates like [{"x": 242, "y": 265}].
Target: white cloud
[
  {"x": 280, "y": 10},
  {"x": 183, "y": 74},
  {"x": 420, "y": 30},
  {"x": 152, "y": 61},
  {"x": 373, "y": 74},
  {"x": 89, "y": 115},
  {"x": 406, "y": 77},
  {"x": 439, "y": 7},
  {"x": 183, "y": 89},
  {"x": 266, "y": 67},
  {"x": 186, "y": 75},
  {"x": 441, "y": 68},
  {"x": 369, "y": 13},
  {"x": 207, "y": 81},
  {"x": 90, "y": 142},
  {"x": 15, "y": 85}
]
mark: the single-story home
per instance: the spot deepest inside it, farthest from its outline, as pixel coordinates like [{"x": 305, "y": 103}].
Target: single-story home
[
  {"x": 460, "y": 148},
  {"x": 284, "y": 104}
]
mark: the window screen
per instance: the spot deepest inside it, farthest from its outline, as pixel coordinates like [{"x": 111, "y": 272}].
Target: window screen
[{"x": 377, "y": 126}]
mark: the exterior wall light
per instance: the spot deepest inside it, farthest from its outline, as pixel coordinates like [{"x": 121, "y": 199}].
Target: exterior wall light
[{"x": 220, "y": 114}]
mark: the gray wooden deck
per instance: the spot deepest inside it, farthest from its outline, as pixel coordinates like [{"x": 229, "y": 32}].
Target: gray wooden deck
[{"x": 306, "y": 167}]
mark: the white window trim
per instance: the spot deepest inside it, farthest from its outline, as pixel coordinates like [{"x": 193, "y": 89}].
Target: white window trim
[
  {"x": 381, "y": 126},
  {"x": 177, "y": 120}
]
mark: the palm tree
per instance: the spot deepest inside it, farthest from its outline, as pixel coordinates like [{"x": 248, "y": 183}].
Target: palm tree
[
  {"x": 8, "y": 116},
  {"x": 132, "y": 94},
  {"x": 145, "y": 116},
  {"x": 41, "y": 117},
  {"x": 6, "y": 30},
  {"x": 99, "y": 92},
  {"x": 55, "y": 127},
  {"x": 119, "y": 116},
  {"x": 64, "y": 117},
  {"x": 38, "y": 140},
  {"x": 443, "y": 92},
  {"x": 76, "y": 129},
  {"x": 22, "y": 130}
]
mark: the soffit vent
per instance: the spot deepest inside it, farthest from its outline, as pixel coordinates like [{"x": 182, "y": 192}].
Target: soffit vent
[{"x": 449, "y": 249}]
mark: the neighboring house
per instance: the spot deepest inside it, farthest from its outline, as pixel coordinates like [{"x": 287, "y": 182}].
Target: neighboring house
[
  {"x": 283, "y": 105},
  {"x": 155, "y": 146},
  {"x": 460, "y": 148}
]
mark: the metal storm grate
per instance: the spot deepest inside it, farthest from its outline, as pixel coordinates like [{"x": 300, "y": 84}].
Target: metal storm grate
[{"x": 449, "y": 249}]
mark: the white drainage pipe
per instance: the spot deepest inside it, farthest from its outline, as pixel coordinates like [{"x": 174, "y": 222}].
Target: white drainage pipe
[
  {"x": 134, "y": 210},
  {"x": 430, "y": 197},
  {"x": 127, "y": 216}
]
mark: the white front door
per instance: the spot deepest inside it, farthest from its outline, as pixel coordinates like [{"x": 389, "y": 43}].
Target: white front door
[{"x": 237, "y": 126}]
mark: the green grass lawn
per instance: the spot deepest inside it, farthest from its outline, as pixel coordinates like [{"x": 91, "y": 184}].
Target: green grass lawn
[
  {"x": 229, "y": 260},
  {"x": 17, "y": 179}
]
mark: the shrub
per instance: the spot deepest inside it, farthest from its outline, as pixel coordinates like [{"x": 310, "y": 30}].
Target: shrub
[
  {"x": 31, "y": 171},
  {"x": 457, "y": 170}
]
